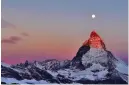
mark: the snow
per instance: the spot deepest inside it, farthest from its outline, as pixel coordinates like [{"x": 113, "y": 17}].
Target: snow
[
  {"x": 49, "y": 64},
  {"x": 26, "y": 71},
  {"x": 8, "y": 66},
  {"x": 5, "y": 65},
  {"x": 38, "y": 65},
  {"x": 124, "y": 77},
  {"x": 9, "y": 80},
  {"x": 121, "y": 66},
  {"x": 95, "y": 55},
  {"x": 96, "y": 52},
  {"x": 101, "y": 74},
  {"x": 96, "y": 67},
  {"x": 63, "y": 62},
  {"x": 18, "y": 70},
  {"x": 87, "y": 74},
  {"x": 25, "y": 81},
  {"x": 52, "y": 73}
]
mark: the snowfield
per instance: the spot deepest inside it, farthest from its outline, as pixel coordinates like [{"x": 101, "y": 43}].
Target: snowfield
[{"x": 25, "y": 81}]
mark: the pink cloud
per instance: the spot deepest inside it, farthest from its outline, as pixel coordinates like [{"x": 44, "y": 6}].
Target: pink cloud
[
  {"x": 11, "y": 40},
  {"x": 6, "y": 24}
]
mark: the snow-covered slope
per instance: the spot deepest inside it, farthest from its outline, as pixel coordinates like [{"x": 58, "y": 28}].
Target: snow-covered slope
[
  {"x": 121, "y": 66},
  {"x": 25, "y": 81},
  {"x": 5, "y": 65},
  {"x": 30, "y": 73},
  {"x": 95, "y": 55}
]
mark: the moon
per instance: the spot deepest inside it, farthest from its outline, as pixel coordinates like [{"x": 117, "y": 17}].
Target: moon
[{"x": 93, "y": 16}]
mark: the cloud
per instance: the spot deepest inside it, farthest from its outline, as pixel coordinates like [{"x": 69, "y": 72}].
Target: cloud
[
  {"x": 6, "y": 24},
  {"x": 24, "y": 34},
  {"x": 11, "y": 40}
]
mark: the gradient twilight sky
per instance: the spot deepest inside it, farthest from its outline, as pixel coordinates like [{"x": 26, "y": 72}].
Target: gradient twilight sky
[{"x": 44, "y": 29}]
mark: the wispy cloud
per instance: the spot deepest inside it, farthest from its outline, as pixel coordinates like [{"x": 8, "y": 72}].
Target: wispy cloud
[
  {"x": 6, "y": 24},
  {"x": 25, "y": 34},
  {"x": 11, "y": 40}
]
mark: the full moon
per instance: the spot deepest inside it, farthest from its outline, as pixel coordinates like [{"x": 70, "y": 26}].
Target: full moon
[{"x": 93, "y": 16}]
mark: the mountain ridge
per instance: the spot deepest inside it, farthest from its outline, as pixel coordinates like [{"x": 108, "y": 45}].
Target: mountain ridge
[{"x": 93, "y": 64}]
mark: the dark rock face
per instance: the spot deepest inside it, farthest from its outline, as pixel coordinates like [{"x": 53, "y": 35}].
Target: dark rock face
[
  {"x": 35, "y": 73},
  {"x": 107, "y": 81},
  {"x": 111, "y": 59},
  {"x": 64, "y": 80},
  {"x": 39, "y": 74},
  {"x": 76, "y": 61},
  {"x": 82, "y": 50},
  {"x": 3, "y": 83},
  {"x": 10, "y": 73}
]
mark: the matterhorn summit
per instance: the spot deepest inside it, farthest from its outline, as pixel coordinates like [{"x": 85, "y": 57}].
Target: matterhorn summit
[
  {"x": 101, "y": 64},
  {"x": 94, "y": 41}
]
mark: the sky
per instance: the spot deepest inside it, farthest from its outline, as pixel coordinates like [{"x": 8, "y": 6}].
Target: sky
[{"x": 55, "y": 29}]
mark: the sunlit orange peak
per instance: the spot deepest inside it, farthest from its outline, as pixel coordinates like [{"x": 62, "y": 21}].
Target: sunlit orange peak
[{"x": 94, "y": 41}]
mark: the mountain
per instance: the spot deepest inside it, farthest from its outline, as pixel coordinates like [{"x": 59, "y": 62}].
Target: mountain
[
  {"x": 93, "y": 64},
  {"x": 28, "y": 74}
]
